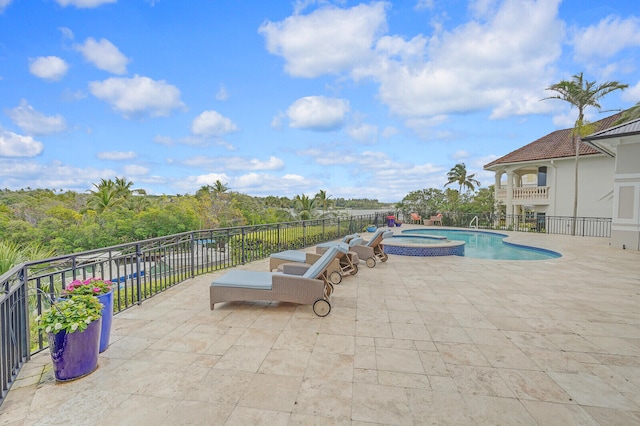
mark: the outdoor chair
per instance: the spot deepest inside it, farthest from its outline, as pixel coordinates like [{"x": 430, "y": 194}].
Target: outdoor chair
[
  {"x": 349, "y": 260},
  {"x": 311, "y": 288},
  {"x": 373, "y": 250},
  {"x": 334, "y": 274}
]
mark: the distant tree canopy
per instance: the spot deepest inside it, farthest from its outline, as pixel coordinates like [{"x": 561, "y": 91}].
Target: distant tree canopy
[{"x": 113, "y": 212}]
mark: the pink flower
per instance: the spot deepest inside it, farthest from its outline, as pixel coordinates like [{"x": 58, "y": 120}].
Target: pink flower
[{"x": 96, "y": 289}]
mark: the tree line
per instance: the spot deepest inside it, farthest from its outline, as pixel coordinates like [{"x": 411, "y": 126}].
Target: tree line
[
  {"x": 115, "y": 212},
  {"x": 40, "y": 223}
]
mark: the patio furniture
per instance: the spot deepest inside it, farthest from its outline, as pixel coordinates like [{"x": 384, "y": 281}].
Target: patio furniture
[
  {"x": 276, "y": 260},
  {"x": 311, "y": 288},
  {"x": 415, "y": 218},
  {"x": 373, "y": 250},
  {"x": 349, "y": 260}
]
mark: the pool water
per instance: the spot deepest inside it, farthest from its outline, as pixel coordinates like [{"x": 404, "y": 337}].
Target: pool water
[{"x": 486, "y": 245}]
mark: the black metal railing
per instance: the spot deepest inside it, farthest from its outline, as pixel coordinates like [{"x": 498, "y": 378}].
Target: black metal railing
[
  {"x": 141, "y": 270},
  {"x": 584, "y": 226}
]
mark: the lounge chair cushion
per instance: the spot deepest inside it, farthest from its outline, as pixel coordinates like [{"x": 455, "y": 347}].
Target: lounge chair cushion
[
  {"x": 291, "y": 256},
  {"x": 317, "y": 268},
  {"x": 375, "y": 236},
  {"x": 356, "y": 241},
  {"x": 387, "y": 234},
  {"x": 245, "y": 279}
]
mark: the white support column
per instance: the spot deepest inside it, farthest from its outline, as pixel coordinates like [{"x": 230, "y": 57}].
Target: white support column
[{"x": 509, "y": 202}]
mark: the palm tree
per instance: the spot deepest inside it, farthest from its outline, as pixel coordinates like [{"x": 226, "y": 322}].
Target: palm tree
[
  {"x": 123, "y": 187},
  {"x": 580, "y": 93},
  {"x": 305, "y": 206},
  {"x": 104, "y": 198},
  {"x": 323, "y": 200},
  {"x": 632, "y": 113},
  {"x": 219, "y": 187},
  {"x": 458, "y": 174}
]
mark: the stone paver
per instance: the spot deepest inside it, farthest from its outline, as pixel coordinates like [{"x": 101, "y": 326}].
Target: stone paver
[{"x": 445, "y": 340}]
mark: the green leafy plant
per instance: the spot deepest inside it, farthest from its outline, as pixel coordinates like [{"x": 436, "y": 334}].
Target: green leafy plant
[
  {"x": 90, "y": 287},
  {"x": 73, "y": 314}
]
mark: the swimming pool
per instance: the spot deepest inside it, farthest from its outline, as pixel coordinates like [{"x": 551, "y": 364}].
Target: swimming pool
[{"x": 481, "y": 244}]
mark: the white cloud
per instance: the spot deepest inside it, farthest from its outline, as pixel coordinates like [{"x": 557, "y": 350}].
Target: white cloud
[
  {"x": 163, "y": 140},
  {"x": 66, "y": 32},
  {"x": 84, "y": 4},
  {"x": 135, "y": 170},
  {"x": 222, "y": 94},
  {"x": 14, "y": 145},
  {"x": 503, "y": 63},
  {"x": 423, "y": 5},
  {"x": 632, "y": 93},
  {"x": 605, "y": 39},
  {"x": 34, "y": 122},
  {"x": 235, "y": 163},
  {"x": 389, "y": 131},
  {"x": 498, "y": 60},
  {"x": 210, "y": 179},
  {"x": 48, "y": 67},
  {"x": 117, "y": 155},
  {"x": 212, "y": 124},
  {"x": 318, "y": 113},
  {"x": 22, "y": 174},
  {"x": 327, "y": 41},
  {"x": 276, "y": 123},
  {"x": 4, "y": 4},
  {"x": 460, "y": 155},
  {"x": 104, "y": 55},
  {"x": 363, "y": 132},
  {"x": 138, "y": 96}
]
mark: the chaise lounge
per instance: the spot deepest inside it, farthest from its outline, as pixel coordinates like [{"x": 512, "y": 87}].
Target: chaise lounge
[
  {"x": 373, "y": 250},
  {"x": 334, "y": 270},
  {"x": 348, "y": 260},
  {"x": 311, "y": 288}
]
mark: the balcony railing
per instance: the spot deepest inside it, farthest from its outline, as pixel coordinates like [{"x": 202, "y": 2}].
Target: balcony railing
[
  {"x": 141, "y": 270},
  {"x": 525, "y": 193},
  {"x": 531, "y": 193}
]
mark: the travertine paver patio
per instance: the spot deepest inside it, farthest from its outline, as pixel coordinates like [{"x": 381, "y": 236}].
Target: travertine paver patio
[{"x": 445, "y": 340}]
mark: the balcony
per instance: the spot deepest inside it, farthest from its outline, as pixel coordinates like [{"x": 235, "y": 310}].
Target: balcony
[{"x": 526, "y": 195}]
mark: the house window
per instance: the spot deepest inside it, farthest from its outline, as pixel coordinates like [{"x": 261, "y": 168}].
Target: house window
[{"x": 542, "y": 176}]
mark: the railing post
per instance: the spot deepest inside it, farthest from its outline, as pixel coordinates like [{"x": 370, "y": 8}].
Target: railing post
[
  {"x": 304, "y": 233},
  {"x": 243, "y": 253},
  {"x": 193, "y": 255},
  {"x": 138, "y": 282}
]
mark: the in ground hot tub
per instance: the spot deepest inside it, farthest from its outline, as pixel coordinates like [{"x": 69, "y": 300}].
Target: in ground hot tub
[{"x": 423, "y": 245}]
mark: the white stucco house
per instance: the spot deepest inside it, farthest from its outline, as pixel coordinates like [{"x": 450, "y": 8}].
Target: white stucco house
[
  {"x": 539, "y": 177},
  {"x": 622, "y": 145}
]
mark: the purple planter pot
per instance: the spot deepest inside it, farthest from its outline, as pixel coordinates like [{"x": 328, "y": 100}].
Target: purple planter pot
[
  {"x": 75, "y": 355},
  {"x": 107, "y": 318}
]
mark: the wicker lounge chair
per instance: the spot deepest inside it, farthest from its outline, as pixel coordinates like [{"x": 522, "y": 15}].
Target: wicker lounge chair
[
  {"x": 348, "y": 261},
  {"x": 334, "y": 270},
  {"x": 373, "y": 250},
  {"x": 312, "y": 288}
]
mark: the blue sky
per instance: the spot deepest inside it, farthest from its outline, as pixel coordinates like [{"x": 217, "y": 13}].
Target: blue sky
[{"x": 361, "y": 99}]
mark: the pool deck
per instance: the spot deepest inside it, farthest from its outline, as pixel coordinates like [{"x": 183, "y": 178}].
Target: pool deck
[{"x": 439, "y": 340}]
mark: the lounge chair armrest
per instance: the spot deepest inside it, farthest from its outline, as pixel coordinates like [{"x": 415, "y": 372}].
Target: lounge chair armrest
[
  {"x": 293, "y": 268},
  {"x": 313, "y": 258}
]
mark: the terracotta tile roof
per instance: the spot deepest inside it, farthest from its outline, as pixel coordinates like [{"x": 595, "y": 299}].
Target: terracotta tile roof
[{"x": 557, "y": 144}]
